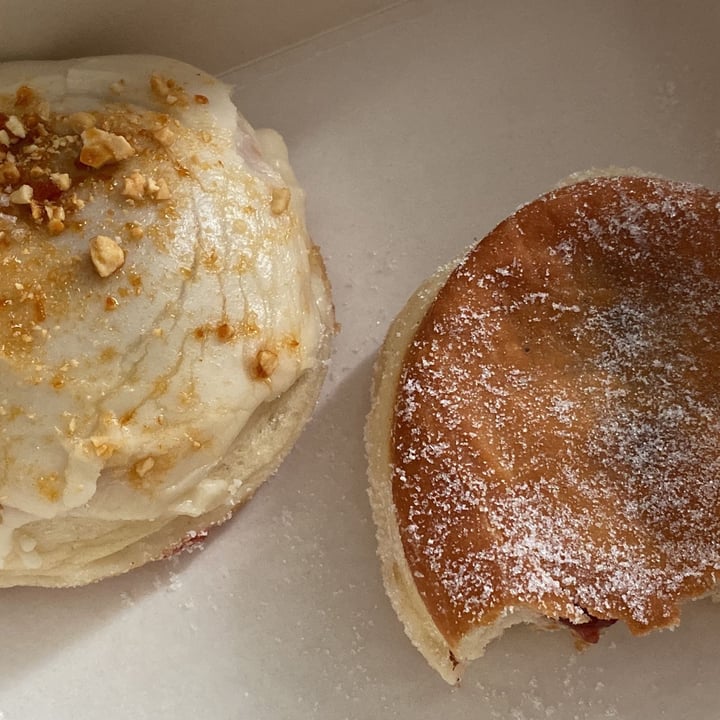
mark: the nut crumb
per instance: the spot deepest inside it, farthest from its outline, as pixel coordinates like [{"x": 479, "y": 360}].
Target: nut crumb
[
  {"x": 118, "y": 87},
  {"x": 55, "y": 212},
  {"x": 9, "y": 173},
  {"x": 106, "y": 255},
  {"x": 61, "y": 180},
  {"x": 55, "y": 227},
  {"x": 15, "y": 126},
  {"x": 134, "y": 187},
  {"x": 77, "y": 203},
  {"x": 136, "y": 231},
  {"x": 165, "y": 136},
  {"x": 56, "y": 218},
  {"x": 158, "y": 189},
  {"x": 102, "y": 148},
  {"x": 266, "y": 362},
  {"x": 280, "y": 200},
  {"x": 166, "y": 89},
  {"x": 22, "y": 196}
]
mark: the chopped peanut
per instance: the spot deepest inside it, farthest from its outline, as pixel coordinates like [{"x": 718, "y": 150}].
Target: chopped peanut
[
  {"x": 15, "y": 126},
  {"x": 9, "y": 173},
  {"x": 266, "y": 363},
  {"x": 166, "y": 89},
  {"x": 56, "y": 218},
  {"x": 165, "y": 136},
  {"x": 158, "y": 189},
  {"x": 106, "y": 255},
  {"x": 55, "y": 212},
  {"x": 61, "y": 180},
  {"x": 163, "y": 192},
  {"x": 136, "y": 231},
  {"x": 22, "y": 196},
  {"x": 77, "y": 203},
  {"x": 55, "y": 227},
  {"x": 103, "y": 148},
  {"x": 280, "y": 200},
  {"x": 134, "y": 187}
]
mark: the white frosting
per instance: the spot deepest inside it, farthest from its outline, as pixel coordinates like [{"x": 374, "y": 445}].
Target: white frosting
[{"x": 115, "y": 415}]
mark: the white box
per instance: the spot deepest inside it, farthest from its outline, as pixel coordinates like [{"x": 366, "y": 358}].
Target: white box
[{"x": 414, "y": 131}]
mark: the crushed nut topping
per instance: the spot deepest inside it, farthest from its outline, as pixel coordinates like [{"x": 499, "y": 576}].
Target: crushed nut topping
[
  {"x": 55, "y": 227},
  {"x": 280, "y": 200},
  {"x": 134, "y": 186},
  {"x": 22, "y": 196},
  {"x": 266, "y": 363},
  {"x": 76, "y": 202},
  {"x": 167, "y": 90},
  {"x": 103, "y": 148},
  {"x": 54, "y": 165},
  {"x": 61, "y": 180},
  {"x": 16, "y": 127},
  {"x": 165, "y": 136},
  {"x": 136, "y": 231},
  {"x": 158, "y": 189},
  {"x": 106, "y": 254},
  {"x": 56, "y": 218},
  {"x": 9, "y": 174},
  {"x": 36, "y": 210}
]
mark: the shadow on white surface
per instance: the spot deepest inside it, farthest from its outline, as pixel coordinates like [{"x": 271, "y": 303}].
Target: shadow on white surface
[{"x": 39, "y": 624}]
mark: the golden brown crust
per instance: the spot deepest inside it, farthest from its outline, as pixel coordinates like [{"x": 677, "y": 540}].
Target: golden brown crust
[{"x": 556, "y": 425}]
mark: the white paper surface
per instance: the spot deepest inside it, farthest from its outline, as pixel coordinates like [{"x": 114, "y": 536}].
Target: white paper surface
[{"x": 413, "y": 132}]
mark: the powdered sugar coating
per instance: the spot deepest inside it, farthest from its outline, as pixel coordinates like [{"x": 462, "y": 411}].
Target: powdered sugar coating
[{"x": 557, "y": 420}]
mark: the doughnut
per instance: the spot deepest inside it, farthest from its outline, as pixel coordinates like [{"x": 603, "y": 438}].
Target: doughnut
[
  {"x": 544, "y": 439},
  {"x": 165, "y": 319}
]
